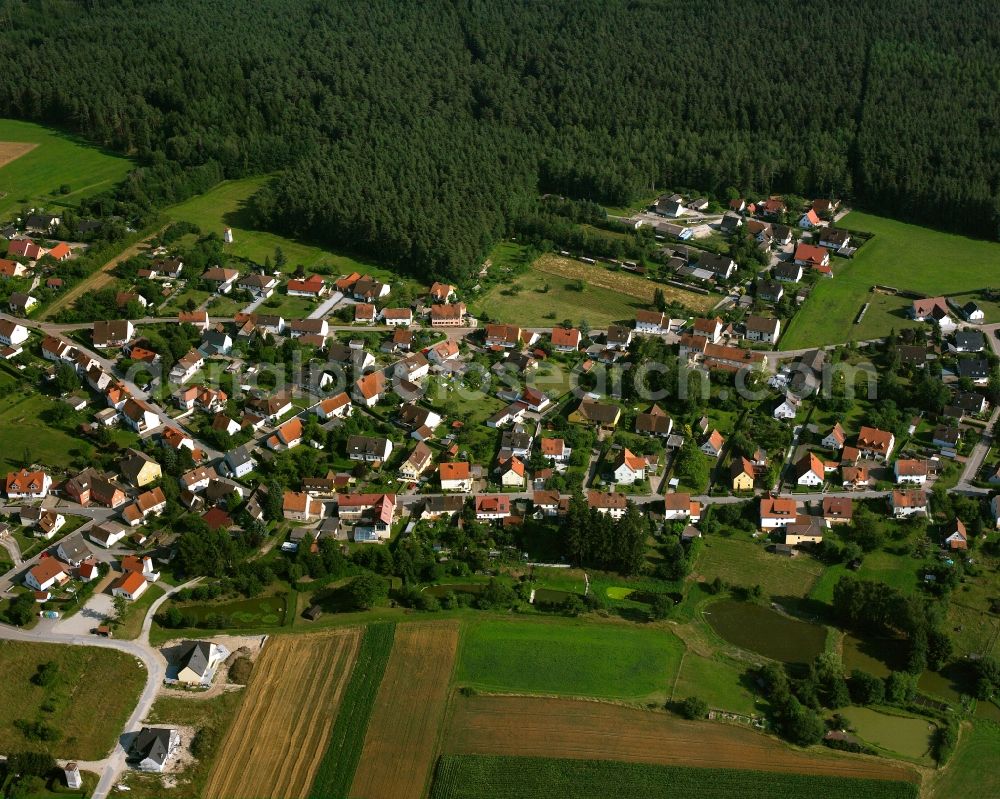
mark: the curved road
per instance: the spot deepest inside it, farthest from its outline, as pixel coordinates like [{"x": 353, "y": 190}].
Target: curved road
[{"x": 112, "y": 766}]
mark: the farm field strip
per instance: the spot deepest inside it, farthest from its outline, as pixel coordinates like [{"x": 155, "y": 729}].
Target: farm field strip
[
  {"x": 277, "y": 739},
  {"x": 471, "y": 777},
  {"x": 336, "y": 770},
  {"x": 398, "y": 755},
  {"x": 620, "y": 282},
  {"x": 524, "y": 726}
]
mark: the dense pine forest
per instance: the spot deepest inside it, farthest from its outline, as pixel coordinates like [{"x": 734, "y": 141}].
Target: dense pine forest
[{"x": 416, "y": 132}]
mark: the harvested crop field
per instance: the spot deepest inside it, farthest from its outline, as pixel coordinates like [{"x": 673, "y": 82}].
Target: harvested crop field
[
  {"x": 578, "y": 730},
  {"x": 402, "y": 737},
  {"x": 12, "y": 150},
  {"x": 278, "y": 737},
  {"x": 622, "y": 282}
]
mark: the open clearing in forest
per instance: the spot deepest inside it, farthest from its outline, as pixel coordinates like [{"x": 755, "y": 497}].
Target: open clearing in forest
[
  {"x": 402, "y": 736},
  {"x": 579, "y": 730},
  {"x": 279, "y": 735}
]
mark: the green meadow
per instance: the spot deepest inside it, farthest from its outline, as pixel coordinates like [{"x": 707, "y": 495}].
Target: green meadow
[
  {"x": 901, "y": 255},
  {"x": 567, "y": 658},
  {"x": 57, "y": 160}
]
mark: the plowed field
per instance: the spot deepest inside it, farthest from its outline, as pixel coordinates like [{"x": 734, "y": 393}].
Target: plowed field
[
  {"x": 402, "y": 736},
  {"x": 523, "y": 726},
  {"x": 279, "y": 735}
]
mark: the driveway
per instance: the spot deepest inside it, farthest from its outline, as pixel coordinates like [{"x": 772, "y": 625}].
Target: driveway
[{"x": 97, "y": 609}]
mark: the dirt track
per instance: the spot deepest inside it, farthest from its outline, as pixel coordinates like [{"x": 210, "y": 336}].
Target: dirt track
[
  {"x": 97, "y": 280},
  {"x": 279, "y": 735},
  {"x": 402, "y": 737},
  {"x": 500, "y": 725}
]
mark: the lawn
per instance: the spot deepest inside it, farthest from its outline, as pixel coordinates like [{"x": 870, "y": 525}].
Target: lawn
[
  {"x": 900, "y": 255},
  {"x": 899, "y": 571},
  {"x": 974, "y": 769},
  {"x": 26, "y": 436},
  {"x": 225, "y": 205},
  {"x": 475, "y": 776},
  {"x": 85, "y": 714},
  {"x": 131, "y": 625},
  {"x": 746, "y": 563},
  {"x": 58, "y": 159},
  {"x": 567, "y": 658},
  {"x": 289, "y": 307},
  {"x": 717, "y": 680}
]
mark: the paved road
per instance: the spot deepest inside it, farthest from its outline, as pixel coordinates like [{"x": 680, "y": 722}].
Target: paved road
[
  {"x": 112, "y": 766},
  {"x": 326, "y": 306}
]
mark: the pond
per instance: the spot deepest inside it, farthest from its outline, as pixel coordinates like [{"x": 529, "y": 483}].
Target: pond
[
  {"x": 881, "y": 656},
  {"x": 551, "y": 596},
  {"x": 266, "y": 611},
  {"x": 766, "y": 632},
  {"x": 904, "y": 735}
]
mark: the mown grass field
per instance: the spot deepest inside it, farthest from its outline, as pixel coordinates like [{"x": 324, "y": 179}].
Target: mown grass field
[
  {"x": 340, "y": 760},
  {"x": 570, "y": 659},
  {"x": 225, "y": 205},
  {"x": 25, "y": 434},
  {"x": 900, "y": 255},
  {"x": 717, "y": 680},
  {"x": 35, "y": 176},
  {"x": 739, "y": 561},
  {"x": 87, "y": 714},
  {"x": 477, "y": 777},
  {"x": 974, "y": 769},
  {"x": 292, "y": 698}
]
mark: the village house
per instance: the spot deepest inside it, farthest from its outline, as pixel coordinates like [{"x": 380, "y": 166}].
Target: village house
[
  {"x": 787, "y": 272},
  {"x": 258, "y": 285},
  {"x": 455, "y": 477},
  {"x": 300, "y": 506},
  {"x": 908, "y": 502},
  {"x": 335, "y": 407},
  {"x": 418, "y": 461},
  {"x": 47, "y": 573},
  {"x": 596, "y": 413},
  {"x": 854, "y": 477},
  {"x": 835, "y": 438},
  {"x": 313, "y": 286},
  {"x": 138, "y": 468},
  {"x": 609, "y": 504},
  {"x": 769, "y": 290},
  {"x": 365, "y": 313},
  {"x": 369, "y": 389},
  {"x": 12, "y": 334},
  {"x": 910, "y": 471},
  {"x": 619, "y": 337},
  {"x": 492, "y": 507},
  {"x": 777, "y": 512},
  {"x": 787, "y": 408},
  {"x": 810, "y": 471},
  {"x": 804, "y": 530},
  {"x": 146, "y": 504},
  {"x": 287, "y": 436},
  {"x": 371, "y": 514},
  {"x": 629, "y": 468},
  {"x": 555, "y": 449},
  {"x": 448, "y": 315},
  {"x": 956, "y": 537},
  {"x": 741, "y": 474},
  {"x": 113, "y": 334},
  {"x": 512, "y": 472},
  {"x": 875, "y": 443},
  {"x": 26, "y": 484},
  {"x": 238, "y": 463},
  {"x": 197, "y": 661},
  {"x": 442, "y": 292},
  {"x": 369, "y": 449},
  {"x": 652, "y": 322},
  {"x": 817, "y": 258},
  {"x": 713, "y": 444},
  {"x": 655, "y": 423},
  {"x": 503, "y": 336},
  {"x": 809, "y": 219},
  {"x": 710, "y": 329},
  {"x": 762, "y": 328},
  {"x": 221, "y": 280},
  {"x": 837, "y": 510},
  {"x": 722, "y": 266},
  {"x": 565, "y": 339}
]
